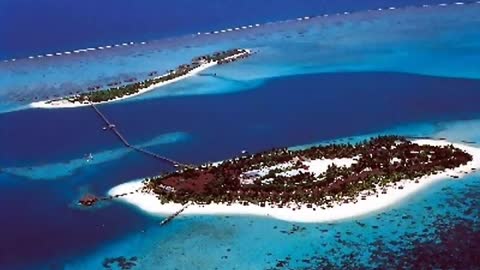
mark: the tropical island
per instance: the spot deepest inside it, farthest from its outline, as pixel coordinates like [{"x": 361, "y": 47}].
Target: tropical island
[
  {"x": 132, "y": 87},
  {"x": 327, "y": 182}
]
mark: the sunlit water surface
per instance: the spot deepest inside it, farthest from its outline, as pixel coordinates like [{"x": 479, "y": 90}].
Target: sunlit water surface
[{"x": 341, "y": 78}]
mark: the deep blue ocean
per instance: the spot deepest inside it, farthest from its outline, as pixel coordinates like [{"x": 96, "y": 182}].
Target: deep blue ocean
[
  {"x": 43, "y": 170},
  {"x": 45, "y": 26}
]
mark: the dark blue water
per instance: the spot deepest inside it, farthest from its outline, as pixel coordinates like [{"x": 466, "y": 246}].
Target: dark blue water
[
  {"x": 38, "y": 222},
  {"x": 39, "y": 226},
  {"x": 43, "y": 26},
  {"x": 296, "y": 110}
]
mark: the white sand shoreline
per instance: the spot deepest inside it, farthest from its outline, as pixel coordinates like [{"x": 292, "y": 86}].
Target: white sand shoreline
[
  {"x": 63, "y": 103},
  {"x": 150, "y": 204}
]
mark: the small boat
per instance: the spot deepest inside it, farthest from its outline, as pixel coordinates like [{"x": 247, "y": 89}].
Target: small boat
[{"x": 89, "y": 157}]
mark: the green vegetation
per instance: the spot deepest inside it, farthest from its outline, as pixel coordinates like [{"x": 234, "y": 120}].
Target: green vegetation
[
  {"x": 133, "y": 88},
  {"x": 380, "y": 162}
]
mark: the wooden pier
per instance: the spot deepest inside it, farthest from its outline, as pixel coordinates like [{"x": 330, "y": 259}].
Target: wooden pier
[
  {"x": 174, "y": 215},
  {"x": 114, "y": 129},
  {"x": 90, "y": 200}
]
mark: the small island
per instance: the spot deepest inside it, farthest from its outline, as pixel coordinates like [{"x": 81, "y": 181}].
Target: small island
[
  {"x": 325, "y": 182},
  {"x": 132, "y": 87},
  {"x": 282, "y": 176}
]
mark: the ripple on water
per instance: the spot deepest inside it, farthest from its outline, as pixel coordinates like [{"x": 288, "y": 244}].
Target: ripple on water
[
  {"x": 63, "y": 169},
  {"x": 402, "y": 40}
]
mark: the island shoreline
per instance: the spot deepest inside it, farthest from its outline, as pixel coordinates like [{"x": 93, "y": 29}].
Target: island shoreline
[
  {"x": 64, "y": 102},
  {"x": 149, "y": 203}
]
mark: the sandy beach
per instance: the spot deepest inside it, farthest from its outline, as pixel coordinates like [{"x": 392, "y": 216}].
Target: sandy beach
[
  {"x": 67, "y": 104},
  {"x": 63, "y": 103},
  {"x": 372, "y": 203}
]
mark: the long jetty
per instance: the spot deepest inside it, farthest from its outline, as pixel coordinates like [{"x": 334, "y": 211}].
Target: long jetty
[
  {"x": 114, "y": 129},
  {"x": 90, "y": 200},
  {"x": 174, "y": 215}
]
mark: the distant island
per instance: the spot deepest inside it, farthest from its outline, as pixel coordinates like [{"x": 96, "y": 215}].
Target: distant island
[
  {"x": 320, "y": 183},
  {"x": 117, "y": 91}
]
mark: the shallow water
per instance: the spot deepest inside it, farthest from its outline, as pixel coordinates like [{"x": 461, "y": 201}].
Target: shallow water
[
  {"x": 98, "y": 24},
  {"x": 70, "y": 167},
  {"x": 256, "y": 243},
  {"x": 349, "y": 107},
  {"x": 210, "y": 118},
  {"x": 401, "y": 40}
]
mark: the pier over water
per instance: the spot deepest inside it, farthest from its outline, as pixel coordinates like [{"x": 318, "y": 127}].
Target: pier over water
[
  {"x": 174, "y": 215},
  {"x": 90, "y": 200},
  {"x": 113, "y": 128}
]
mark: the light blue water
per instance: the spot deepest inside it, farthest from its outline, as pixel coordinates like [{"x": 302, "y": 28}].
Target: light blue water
[
  {"x": 210, "y": 118},
  {"x": 50, "y": 23},
  {"x": 214, "y": 127},
  {"x": 256, "y": 243},
  {"x": 64, "y": 169},
  {"x": 403, "y": 40}
]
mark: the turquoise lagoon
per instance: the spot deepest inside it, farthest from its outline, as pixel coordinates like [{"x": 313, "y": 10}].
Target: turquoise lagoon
[
  {"x": 437, "y": 41},
  {"x": 338, "y": 78}
]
